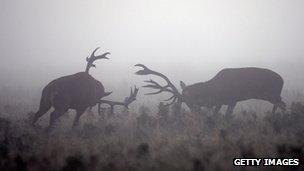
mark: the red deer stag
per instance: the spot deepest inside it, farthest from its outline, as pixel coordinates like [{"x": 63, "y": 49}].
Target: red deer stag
[
  {"x": 78, "y": 91},
  {"x": 228, "y": 87}
]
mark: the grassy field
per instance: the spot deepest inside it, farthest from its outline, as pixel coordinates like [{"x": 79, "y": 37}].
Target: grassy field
[{"x": 146, "y": 140}]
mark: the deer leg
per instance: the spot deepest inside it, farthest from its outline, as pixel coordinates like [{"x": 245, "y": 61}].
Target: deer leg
[
  {"x": 274, "y": 109},
  {"x": 282, "y": 106},
  {"x": 112, "y": 110},
  {"x": 44, "y": 107},
  {"x": 195, "y": 108},
  {"x": 230, "y": 109},
  {"x": 79, "y": 112},
  {"x": 217, "y": 109},
  {"x": 278, "y": 103},
  {"x": 55, "y": 115}
]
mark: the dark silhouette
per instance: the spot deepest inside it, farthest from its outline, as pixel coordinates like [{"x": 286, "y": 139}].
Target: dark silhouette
[
  {"x": 143, "y": 150},
  {"x": 78, "y": 91},
  {"x": 170, "y": 88},
  {"x": 228, "y": 87},
  {"x": 74, "y": 163},
  {"x": 197, "y": 165}
]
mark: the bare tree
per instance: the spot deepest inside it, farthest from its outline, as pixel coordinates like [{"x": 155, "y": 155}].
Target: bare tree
[
  {"x": 78, "y": 91},
  {"x": 228, "y": 87}
]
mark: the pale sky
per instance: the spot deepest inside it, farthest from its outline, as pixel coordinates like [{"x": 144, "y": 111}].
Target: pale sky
[{"x": 189, "y": 40}]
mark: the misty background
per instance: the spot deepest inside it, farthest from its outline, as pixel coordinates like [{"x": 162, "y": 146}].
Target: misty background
[
  {"x": 189, "y": 40},
  {"x": 186, "y": 40}
]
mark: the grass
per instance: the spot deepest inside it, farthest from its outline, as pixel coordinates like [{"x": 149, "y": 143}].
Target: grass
[{"x": 146, "y": 140}]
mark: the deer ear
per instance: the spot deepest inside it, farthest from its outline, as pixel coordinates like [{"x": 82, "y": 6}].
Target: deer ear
[{"x": 182, "y": 84}]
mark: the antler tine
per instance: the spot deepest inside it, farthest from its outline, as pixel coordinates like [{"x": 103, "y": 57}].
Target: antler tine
[
  {"x": 135, "y": 90},
  {"x": 132, "y": 96},
  {"x": 172, "y": 97},
  {"x": 127, "y": 101},
  {"x": 144, "y": 71},
  {"x": 151, "y": 81},
  {"x": 92, "y": 58},
  {"x": 153, "y": 93},
  {"x": 147, "y": 71},
  {"x": 141, "y": 65},
  {"x": 103, "y": 56},
  {"x": 154, "y": 85},
  {"x": 93, "y": 53},
  {"x": 131, "y": 91},
  {"x": 173, "y": 101}
]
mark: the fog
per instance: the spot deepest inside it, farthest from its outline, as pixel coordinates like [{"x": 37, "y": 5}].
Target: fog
[{"x": 186, "y": 40}]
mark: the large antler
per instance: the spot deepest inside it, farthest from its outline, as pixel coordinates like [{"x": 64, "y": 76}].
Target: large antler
[
  {"x": 126, "y": 102},
  {"x": 92, "y": 58},
  {"x": 176, "y": 97}
]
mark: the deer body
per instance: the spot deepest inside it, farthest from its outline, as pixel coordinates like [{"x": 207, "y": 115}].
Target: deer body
[
  {"x": 232, "y": 85},
  {"x": 228, "y": 87},
  {"x": 78, "y": 91}
]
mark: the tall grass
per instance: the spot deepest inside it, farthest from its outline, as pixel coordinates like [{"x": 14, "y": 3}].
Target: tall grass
[{"x": 141, "y": 139}]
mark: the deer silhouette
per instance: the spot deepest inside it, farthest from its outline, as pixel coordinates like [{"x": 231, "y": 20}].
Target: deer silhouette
[
  {"x": 228, "y": 87},
  {"x": 78, "y": 91}
]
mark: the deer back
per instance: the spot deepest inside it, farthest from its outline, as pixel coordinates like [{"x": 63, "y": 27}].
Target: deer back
[
  {"x": 235, "y": 84},
  {"x": 77, "y": 90}
]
